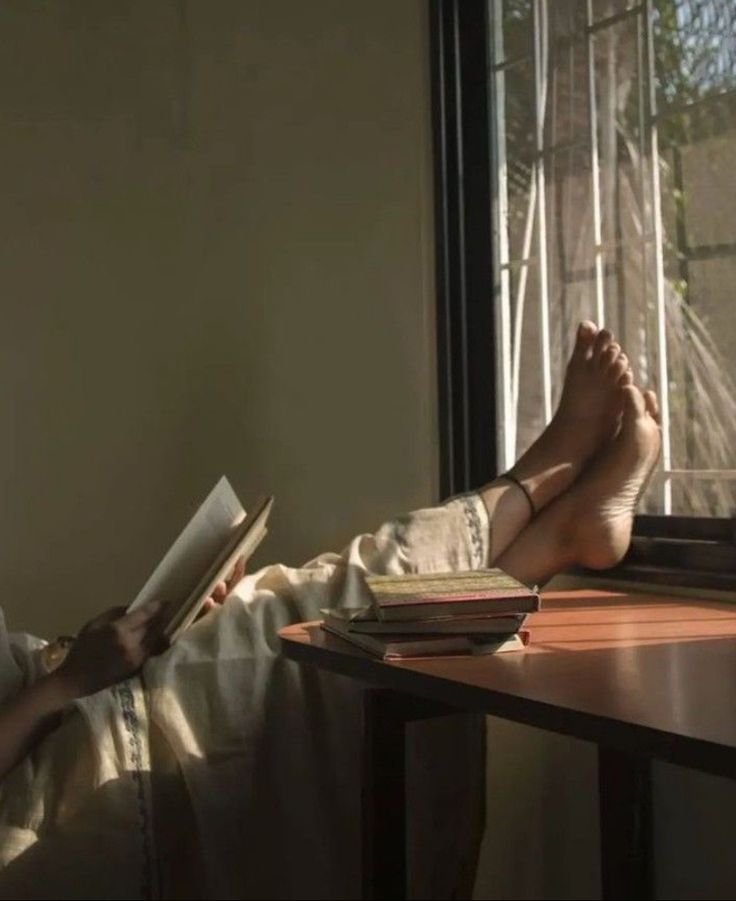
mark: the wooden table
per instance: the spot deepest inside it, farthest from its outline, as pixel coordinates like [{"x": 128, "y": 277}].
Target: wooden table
[{"x": 644, "y": 676}]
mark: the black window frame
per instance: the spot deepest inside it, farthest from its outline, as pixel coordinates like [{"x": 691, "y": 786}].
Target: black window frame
[{"x": 666, "y": 550}]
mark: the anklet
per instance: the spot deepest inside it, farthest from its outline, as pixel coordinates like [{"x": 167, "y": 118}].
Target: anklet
[{"x": 527, "y": 494}]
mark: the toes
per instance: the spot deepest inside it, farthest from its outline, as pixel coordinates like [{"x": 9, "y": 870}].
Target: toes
[
  {"x": 602, "y": 340},
  {"x": 610, "y": 355},
  {"x": 587, "y": 331},
  {"x": 619, "y": 368},
  {"x": 652, "y": 405},
  {"x": 633, "y": 402},
  {"x": 620, "y": 365},
  {"x": 626, "y": 379}
]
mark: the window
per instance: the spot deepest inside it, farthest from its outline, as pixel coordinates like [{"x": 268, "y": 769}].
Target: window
[
  {"x": 584, "y": 170},
  {"x": 614, "y": 125}
]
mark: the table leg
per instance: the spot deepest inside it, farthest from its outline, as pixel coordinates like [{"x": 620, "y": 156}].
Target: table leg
[
  {"x": 383, "y": 798},
  {"x": 386, "y": 715},
  {"x": 624, "y": 784}
]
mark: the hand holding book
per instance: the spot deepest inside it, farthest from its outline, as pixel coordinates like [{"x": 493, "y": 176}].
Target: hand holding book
[
  {"x": 198, "y": 572},
  {"x": 190, "y": 574},
  {"x": 224, "y": 587}
]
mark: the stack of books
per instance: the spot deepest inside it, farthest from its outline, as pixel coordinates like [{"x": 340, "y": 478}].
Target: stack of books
[{"x": 476, "y": 612}]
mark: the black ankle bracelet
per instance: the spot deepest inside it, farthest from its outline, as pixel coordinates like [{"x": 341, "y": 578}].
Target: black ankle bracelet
[{"x": 527, "y": 494}]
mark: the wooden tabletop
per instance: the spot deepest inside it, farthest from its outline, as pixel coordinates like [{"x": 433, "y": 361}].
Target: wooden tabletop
[{"x": 649, "y": 673}]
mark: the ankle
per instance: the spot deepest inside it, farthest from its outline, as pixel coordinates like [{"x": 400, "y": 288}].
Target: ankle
[{"x": 543, "y": 486}]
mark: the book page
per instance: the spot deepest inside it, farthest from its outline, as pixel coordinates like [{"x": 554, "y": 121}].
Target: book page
[
  {"x": 242, "y": 542},
  {"x": 193, "y": 552}
]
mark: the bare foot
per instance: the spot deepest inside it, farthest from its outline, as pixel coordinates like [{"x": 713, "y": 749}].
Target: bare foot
[
  {"x": 604, "y": 500},
  {"x": 587, "y": 417},
  {"x": 592, "y": 401}
]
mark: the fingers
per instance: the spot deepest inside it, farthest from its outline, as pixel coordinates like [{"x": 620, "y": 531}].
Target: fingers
[
  {"x": 147, "y": 638},
  {"x": 237, "y": 574},
  {"x": 219, "y": 592},
  {"x": 208, "y": 605},
  {"x": 223, "y": 588},
  {"x": 154, "y": 641}
]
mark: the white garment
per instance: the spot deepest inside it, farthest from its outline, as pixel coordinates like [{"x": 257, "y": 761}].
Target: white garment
[{"x": 225, "y": 770}]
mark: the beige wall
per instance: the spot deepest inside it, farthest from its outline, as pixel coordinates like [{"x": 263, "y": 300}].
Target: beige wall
[{"x": 216, "y": 257}]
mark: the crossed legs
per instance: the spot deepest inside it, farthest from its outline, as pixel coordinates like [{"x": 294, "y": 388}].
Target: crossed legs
[{"x": 584, "y": 475}]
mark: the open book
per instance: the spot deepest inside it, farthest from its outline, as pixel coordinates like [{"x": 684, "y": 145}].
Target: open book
[{"x": 214, "y": 539}]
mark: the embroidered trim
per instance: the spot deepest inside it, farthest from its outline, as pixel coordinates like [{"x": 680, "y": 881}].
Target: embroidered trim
[
  {"x": 401, "y": 524},
  {"x": 124, "y": 694},
  {"x": 475, "y": 527}
]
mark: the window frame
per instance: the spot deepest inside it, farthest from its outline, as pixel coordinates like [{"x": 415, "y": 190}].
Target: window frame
[
  {"x": 666, "y": 549},
  {"x": 464, "y": 266}
]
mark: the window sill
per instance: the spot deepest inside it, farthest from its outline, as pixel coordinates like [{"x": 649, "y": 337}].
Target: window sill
[{"x": 651, "y": 580}]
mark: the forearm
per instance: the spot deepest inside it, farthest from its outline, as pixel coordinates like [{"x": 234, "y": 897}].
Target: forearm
[{"x": 28, "y": 717}]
